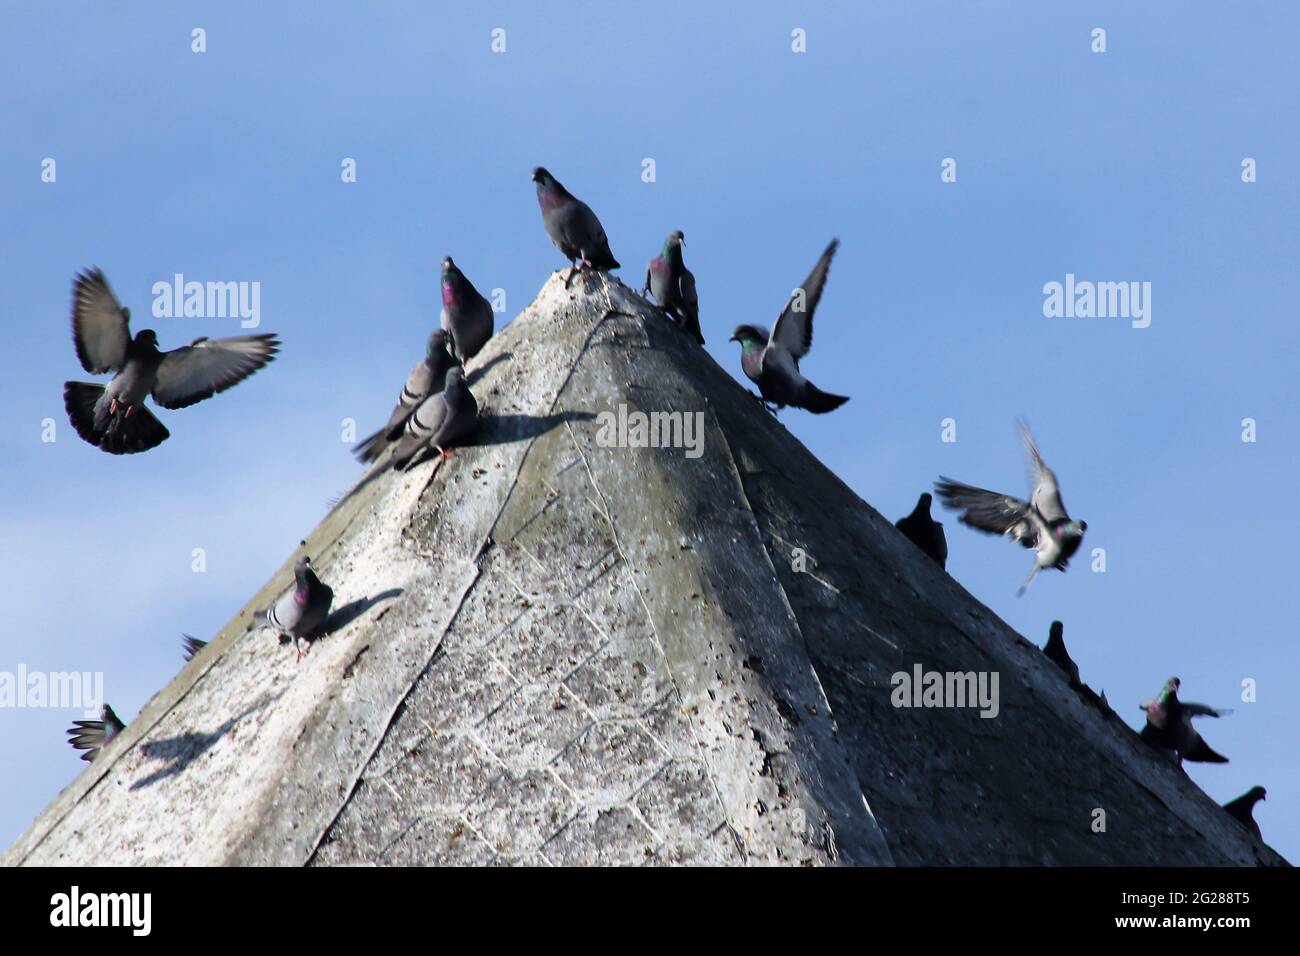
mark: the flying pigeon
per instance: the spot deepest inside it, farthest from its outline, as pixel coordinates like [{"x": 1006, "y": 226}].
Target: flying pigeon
[
  {"x": 427, "y": 377},
  {"x": 466, "y": 315},
  {"x": 92, "y": 736},
  {"x": 114, "y": 418},
  {"x": 1040, "y": 523},
  {"x": 191, "y": 645},
  {"x": 572, "y": 226},
  {"x": 1058, "y": 655},
  {"x": 441, "y": 420},
  {"x": 1242, "y": 809},
  {"x": 673, "y": 285},
  {"x": 301, "y": 612},
  {"x": 772, "y": 360},
  {"x": 924, "y": 532},
  {"x": 1169, "y": 725}
]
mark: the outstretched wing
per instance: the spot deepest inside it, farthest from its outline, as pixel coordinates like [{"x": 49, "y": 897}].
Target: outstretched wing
[
  {"x": 208, "y": 366},
  {"x": 794, "y": 327},
  {"x": 100, "y": 326},
  {"x": 990, "y": 511},
  {"x": 1046, "y": 495},
  {"x": 1202, "y": 710}
]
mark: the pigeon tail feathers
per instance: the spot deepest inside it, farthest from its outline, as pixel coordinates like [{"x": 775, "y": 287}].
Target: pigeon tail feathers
[{"x": 819, "y": 402}]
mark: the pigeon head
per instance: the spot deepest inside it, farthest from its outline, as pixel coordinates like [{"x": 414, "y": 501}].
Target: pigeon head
[
  {"x": 456, "y": 376},
  {"x": 1256, "y": 793},
  {"x": 1057, "y": 631},
  {"x": 923, "y": 503},
  {"x": 549, "y": 191},
  {"x": 437, "y": 343},
  {"x": 447, "y": 265},
  {"x": 674, "y": 243},
  {"x": 1170, "y": 689},
  {"x": 748, "y": 336},
  {"x": 147, "y": 338}
]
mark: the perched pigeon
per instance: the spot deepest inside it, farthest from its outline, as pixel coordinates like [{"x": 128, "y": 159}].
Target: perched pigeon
[
  {"x": 924, "y": 532},
  {"x": 192, "y": 646},
  {"x": 1242, "y": 809},
  {"x": 1169, "y": 725},
  {"x": 1058, "y": 655},
  {"x": 572, "y": 226},
  {"x": 1040, "y": 523},
  {"x": 115, "y": 418},
  {"x": 301, "y": 612},
  {"x": 92, "y": 736},
  {"x": 425, "y": 379},
  {"x": 466, "y": 315},
  {"x": 772, "y": 360},
  {"x": 441, "y": 420},
  {"x": 673, "y": 285}
]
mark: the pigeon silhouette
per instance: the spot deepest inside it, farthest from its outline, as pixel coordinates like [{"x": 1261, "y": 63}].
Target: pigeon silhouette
[
  {"x": 1041, "y": 523},
  {"x": 771, "y": 360},
  {"x": 924, "y": 532},
  {"x": 1243, "y": 809},
  {"x": 1058, "y": 655},
  {"x": 114, "y": 418}
]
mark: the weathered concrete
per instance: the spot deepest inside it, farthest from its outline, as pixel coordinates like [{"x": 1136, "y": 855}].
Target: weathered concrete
[{"x": 554, "y": 652}]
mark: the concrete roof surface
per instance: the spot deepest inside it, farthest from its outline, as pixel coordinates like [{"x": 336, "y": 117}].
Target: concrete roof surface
[{"x": 549, "y": 651}]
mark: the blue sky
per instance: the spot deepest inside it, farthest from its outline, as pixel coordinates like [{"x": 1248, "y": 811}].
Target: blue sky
[{"x": 1122, "y": 166}]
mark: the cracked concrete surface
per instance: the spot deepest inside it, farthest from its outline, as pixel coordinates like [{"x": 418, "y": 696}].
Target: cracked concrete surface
[{"x": 562, "y": 653}]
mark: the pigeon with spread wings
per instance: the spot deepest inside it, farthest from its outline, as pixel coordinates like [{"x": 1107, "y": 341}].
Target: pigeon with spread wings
[
  {"x": 1169, "y": 725},
  {"x": 771, "y": 360},
  {"x": 1041, "y": 523},
  {"x": 92, "y": 736},
  {"x": 114, "y": 417}
]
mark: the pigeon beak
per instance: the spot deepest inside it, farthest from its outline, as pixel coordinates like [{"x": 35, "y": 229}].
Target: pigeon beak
[{"x": 734, "y": 338}]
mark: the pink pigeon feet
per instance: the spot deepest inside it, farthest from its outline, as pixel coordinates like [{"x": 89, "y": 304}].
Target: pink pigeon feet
[{"x": 446, "y": 453}]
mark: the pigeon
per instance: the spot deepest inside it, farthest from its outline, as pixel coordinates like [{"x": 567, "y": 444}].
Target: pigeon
[
  {"x": 191, "y": 645},
  {"x": 301, "y": 612},
  {"x": 1242, "y": 809},
  {"x": 441, "y": 420},
  {"x": 92, "y": 736},
  {"x": 572, "y": 226},
  {"x": 1169, "y": 725},
  {"x": 1040, "y": 523},
  {"x": 924, "y": 532},
  {"x": 114, "y": 418},
  {"x": 673, "y": 285},
  {"x": 425, "y": 379},
  {"x": 1058, "y": 655},
  {"x": 772, "y": 360},
  {"x": 466, "y": 316}
]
